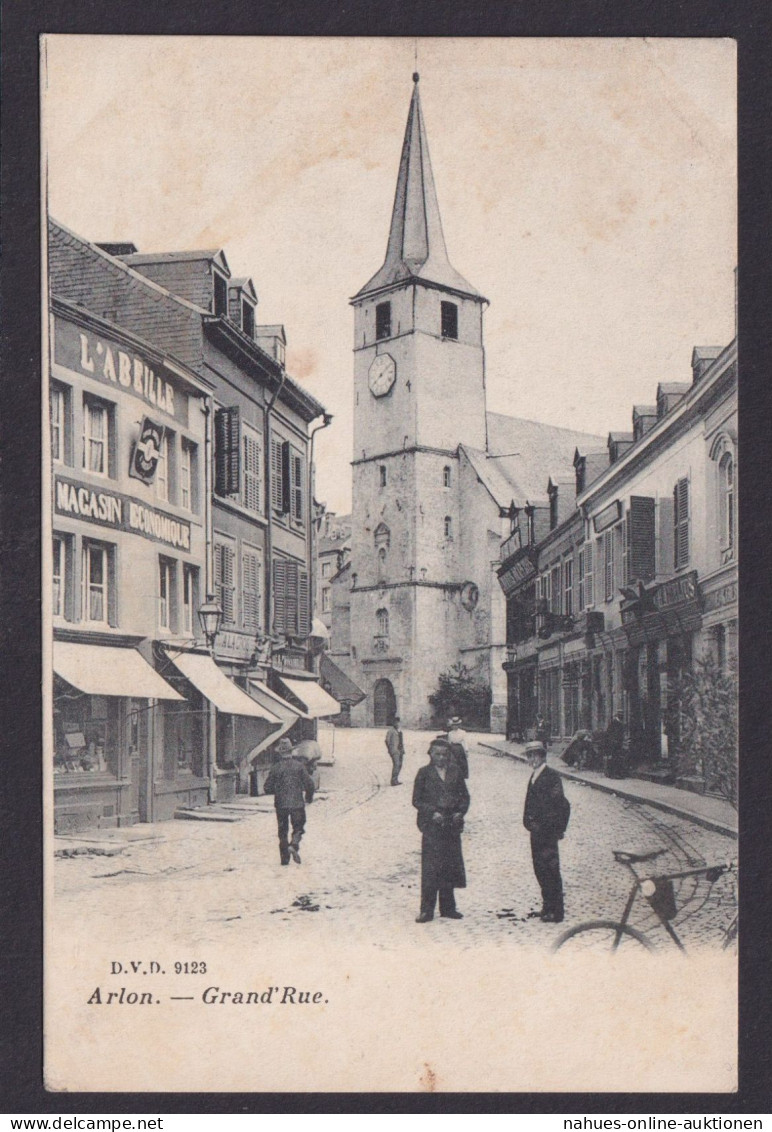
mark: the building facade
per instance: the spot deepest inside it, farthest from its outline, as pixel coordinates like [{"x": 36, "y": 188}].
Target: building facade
[
  {"x": 245, "y": 477},
  {"x": 608, "y": 610}
]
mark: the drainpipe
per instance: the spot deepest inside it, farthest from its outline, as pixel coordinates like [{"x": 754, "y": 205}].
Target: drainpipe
[
  {"x": 324, "y": 423},
  {"x": 269, "y": 509},
  {"x": 211, "y": 746}
]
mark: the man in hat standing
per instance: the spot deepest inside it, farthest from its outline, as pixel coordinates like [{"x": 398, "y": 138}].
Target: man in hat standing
[
  {"x": 441, "y": 798},
  {"x": 545, "y": 817},
  {"x": 395, "y": 745},
  {"x": 459, "y": 752},
  {"x": 292, "y": 786}
]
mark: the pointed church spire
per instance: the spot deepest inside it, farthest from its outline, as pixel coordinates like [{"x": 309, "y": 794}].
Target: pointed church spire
[{"x": 416, "y": 247}]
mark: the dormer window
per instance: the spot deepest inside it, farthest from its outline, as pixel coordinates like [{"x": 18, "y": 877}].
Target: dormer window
[
  {"x": 219, "y": 295},
  {"x": 449, "y": 320},
  {"x": 247, "y": 318},
  {"x": 383, "y": 321}
]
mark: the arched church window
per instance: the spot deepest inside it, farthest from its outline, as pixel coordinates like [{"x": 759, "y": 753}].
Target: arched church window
[
  {"x": 382, "y": 564},
  {"x": 382, "y": 622},
  {"x": 383, "y": 320},
  {"x": 446, "y": 476},
  {"x": 449, "y": 320},
  {"x": 448, "y": 527}
]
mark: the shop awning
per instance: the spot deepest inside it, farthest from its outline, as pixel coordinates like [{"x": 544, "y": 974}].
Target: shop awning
[
  {"x": 314, "y": 699},
  {"x": 319, "y": 629},
  {"x": 342, "y": 686},
  {"x": 274, "y": 703},
  {"x": 107, "y": 670},
  {"x": 212, "y": 682}
]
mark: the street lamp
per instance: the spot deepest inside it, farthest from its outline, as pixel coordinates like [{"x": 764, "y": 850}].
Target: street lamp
[
  {"x": 210, "y": 616},
  {"x": 511, "y": 654}
]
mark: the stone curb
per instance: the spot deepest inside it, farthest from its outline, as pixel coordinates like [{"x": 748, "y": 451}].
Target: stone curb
[{"x": 629, "y": 796}]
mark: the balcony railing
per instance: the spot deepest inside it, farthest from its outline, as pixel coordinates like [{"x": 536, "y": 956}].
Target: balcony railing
[{"x": 510, "y": 546}]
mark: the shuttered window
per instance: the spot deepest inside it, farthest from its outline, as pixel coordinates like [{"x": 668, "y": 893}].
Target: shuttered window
[
  {"x": 279, "y": 457},
  {"x": 250, "y": 589},
  {"x": 681, "y": 523},
  {"x": 227, "y": 450},
  {"x": 224, "y": 581},
  {"x": 568, "y": 587},
  {"x": 556, "y": 594},
  {"x": 290, "y": 598},
  {"x": 608, "y": 564},
  {"x": 640, "y": 539},
  {"x": 296, "y": 484},
  {"x": 580, "y": 602},
  {"x": 589, "y": 591},
  {"x": 251, "y": 494}
]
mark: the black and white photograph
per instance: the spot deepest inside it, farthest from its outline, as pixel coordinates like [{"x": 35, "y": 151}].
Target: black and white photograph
[{"x": 390, "y": 564}]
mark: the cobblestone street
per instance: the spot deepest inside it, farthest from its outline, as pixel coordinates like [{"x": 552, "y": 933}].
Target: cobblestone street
[{"x": 220, "y": 882}]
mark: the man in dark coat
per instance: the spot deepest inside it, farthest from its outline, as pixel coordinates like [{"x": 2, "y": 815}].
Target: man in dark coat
[
  {"x": 441, "y": 798},
  {"x": 545, "y": 817},
  {"x": 614, "y": 742},
  {"x": 292, "y": 786},
  {"x": 395, "y": 745},
  {"x": 458, "y": 748}
]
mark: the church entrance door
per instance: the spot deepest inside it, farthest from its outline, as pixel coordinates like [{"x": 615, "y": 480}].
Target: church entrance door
[{"x": 384, "y": 703}]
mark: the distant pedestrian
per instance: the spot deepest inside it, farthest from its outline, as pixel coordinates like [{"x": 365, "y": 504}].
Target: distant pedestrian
[
  {"x": 545, "y": 816},
  {"x": 459, "y": 751},
  {"x": 441, "y": 798},
  {"x": 292, "y": 786},
  {"x": 541, "y": 730},
  {"x": 614, "y": 740},
  {"x": 395, "y": 745}
]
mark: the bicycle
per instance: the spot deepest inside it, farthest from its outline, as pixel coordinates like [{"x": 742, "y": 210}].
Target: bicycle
[{"x": 659, "y": 892}]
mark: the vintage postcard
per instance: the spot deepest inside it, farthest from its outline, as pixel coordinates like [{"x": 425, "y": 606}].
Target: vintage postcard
[{"x": 390, "y": 542}]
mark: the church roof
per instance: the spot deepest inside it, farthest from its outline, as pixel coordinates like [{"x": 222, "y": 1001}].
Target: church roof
[
  {"x": 542, "y": 451},
  {"x": 416, "y": 247}
]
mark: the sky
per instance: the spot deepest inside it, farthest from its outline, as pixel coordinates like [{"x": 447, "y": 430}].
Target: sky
[{"x": 587, "y": 188}]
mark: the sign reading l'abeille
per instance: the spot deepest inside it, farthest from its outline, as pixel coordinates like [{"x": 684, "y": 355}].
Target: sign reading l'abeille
[{"x": 108, "y": 361}]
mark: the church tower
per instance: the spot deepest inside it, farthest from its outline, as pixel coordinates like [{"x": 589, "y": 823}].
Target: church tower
[{"x": 419, "y": 392}]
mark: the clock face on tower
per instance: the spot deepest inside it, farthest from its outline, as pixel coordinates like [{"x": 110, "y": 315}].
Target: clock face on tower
[{"x": 381, "y": 375}]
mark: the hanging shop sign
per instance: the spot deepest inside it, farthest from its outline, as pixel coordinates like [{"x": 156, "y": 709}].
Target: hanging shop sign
[
  {"x": 516, "y": 574},
  {"x": 108, "y": 361},
  {"x": 120, "y": 512},
  {"x": 147, "y": 451}
]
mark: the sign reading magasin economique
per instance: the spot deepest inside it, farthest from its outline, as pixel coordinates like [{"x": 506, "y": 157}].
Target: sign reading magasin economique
[{"x": 121, "y": 512}]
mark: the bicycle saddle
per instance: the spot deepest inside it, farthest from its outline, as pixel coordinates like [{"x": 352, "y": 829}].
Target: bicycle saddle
[{"x": 635, "y": 858}]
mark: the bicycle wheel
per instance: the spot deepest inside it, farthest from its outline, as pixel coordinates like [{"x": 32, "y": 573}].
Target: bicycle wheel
[{"x": 602, "y": 935}]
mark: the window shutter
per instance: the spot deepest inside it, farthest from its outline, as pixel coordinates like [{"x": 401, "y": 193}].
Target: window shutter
[
  {"x": 227, "y": 450},
  {"x": 580, "y": 602},
  {"x": 227, "y": 584},
  {"x": 252, "y": 475},
  {"x": 681, "y": 523},
  {"x": 280, "y": 595},
  {"x": 286, "y": 501},
  {"x": 250, "y": 590},
  {"x": 296, "y": 469},
  {"x": 291, "y": 614},
  {"x": 304, "y": 612},
  {"x": 666, "y": 511},
  {"x": 589, "y": 592},
  {"x": 640, "y": 538},
  {"x": 112, "y": 589}
]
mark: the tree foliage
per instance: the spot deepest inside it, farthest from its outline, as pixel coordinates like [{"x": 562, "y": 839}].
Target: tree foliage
[
  {"x": 459, "y": 693},
  {"x": 708, "y": 717}
]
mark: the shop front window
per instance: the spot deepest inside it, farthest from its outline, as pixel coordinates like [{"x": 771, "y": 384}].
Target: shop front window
[{"x": 86, "y": 733}]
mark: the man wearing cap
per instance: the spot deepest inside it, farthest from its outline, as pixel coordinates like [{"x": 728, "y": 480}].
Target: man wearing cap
[
  {"x": 395, "y": 745},
  {"x": 441, "y": 798},
  {"x": 459, "y": 752},
  {"x": 292, "y": 786},
  {"x": 545, "y": 817}
]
